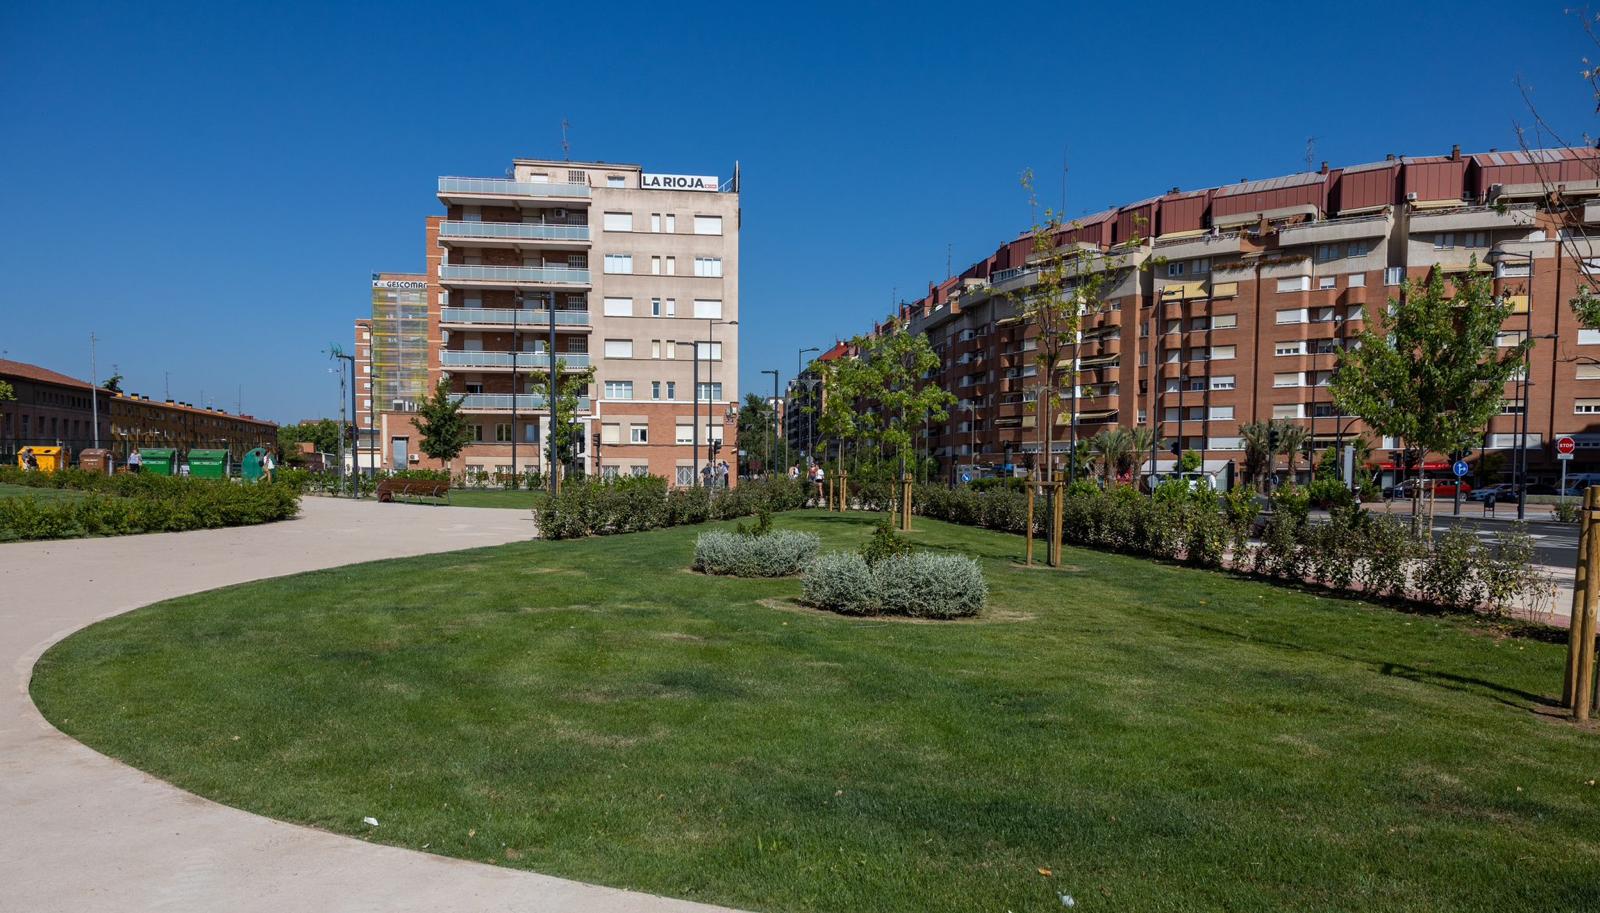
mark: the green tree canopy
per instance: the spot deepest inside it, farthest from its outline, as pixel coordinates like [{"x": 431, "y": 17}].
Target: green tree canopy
[
  {"x": 443, "y": 429},
  {"x": 1430, "y": 374}
]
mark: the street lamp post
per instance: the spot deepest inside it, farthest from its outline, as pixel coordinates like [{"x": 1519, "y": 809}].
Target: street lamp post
[
  {"x": 799, "y": 369},
  {"x": 772, "y": 455},
  {"x": 1520, "y": 459},
  {"x": 710, "y": 323},
  {"x": 516, "y": 345}
]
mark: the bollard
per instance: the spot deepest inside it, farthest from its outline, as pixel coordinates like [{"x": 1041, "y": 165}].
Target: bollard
[{"x": 1569, "y": 683}]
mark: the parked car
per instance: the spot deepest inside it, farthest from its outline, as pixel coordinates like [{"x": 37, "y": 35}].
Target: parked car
[
  {"x": 1443, "y": 488},
  {"x": 1502, "y": 491}
]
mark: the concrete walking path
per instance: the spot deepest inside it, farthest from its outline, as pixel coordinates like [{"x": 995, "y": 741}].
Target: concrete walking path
[{"x": 83, "y": 833}]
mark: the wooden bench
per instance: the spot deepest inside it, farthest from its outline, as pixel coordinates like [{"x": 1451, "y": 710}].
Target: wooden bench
[{"x": 389, "y": 489}]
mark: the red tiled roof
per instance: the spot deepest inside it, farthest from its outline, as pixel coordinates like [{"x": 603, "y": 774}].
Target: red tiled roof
[{"x": 26, "y": 371}]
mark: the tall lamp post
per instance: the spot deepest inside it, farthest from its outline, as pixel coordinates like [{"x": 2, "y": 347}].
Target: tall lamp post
[
  {"x": 355, "y": 483},
  {"x": 772, "y": 455},
  {"x": 799, "y": 369},
  {"x": 711, "y": 323},
  {"x": 1520, "y": 459},
  {"x": 516, "y": 346}
]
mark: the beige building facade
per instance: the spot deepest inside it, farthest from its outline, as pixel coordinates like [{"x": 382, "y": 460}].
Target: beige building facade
[{"x": 595, "y": 267}]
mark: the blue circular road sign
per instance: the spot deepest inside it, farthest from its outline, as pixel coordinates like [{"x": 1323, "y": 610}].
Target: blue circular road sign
[
  {"x": 1460, "y": 468},
  {"x": 966, "y": 477}
]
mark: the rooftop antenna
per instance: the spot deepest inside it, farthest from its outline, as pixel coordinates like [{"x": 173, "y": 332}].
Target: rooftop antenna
[
  {"x": 566, "y": 147},
  {"x": 1311, "y": 152},
  {"x": 1063, "y": 181},
  {"x": 948, "y": 248}
]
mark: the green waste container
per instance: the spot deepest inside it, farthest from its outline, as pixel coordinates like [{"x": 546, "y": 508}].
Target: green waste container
[
  {"x": 208, "y": 464},
  {"x": 250, "y": 468},
  {"x": 161, "y": 461}
]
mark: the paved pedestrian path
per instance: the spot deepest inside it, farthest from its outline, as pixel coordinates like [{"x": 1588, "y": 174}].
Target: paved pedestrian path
[{"x": 80, "y": 832}]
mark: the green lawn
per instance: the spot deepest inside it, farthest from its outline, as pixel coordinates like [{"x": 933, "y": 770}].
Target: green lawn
[
  {"x": 43, "y": 494},
  {"x": 1159, "y": 739}
]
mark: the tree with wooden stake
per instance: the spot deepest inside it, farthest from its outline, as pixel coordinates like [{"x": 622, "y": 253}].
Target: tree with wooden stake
[
  {"x": 1070, "y": 281},
  {"x": 1578, "y": 685},
  {"x": 442, "y": 429}
]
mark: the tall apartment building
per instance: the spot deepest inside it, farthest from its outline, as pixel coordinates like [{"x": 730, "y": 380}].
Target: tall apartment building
[
  {"x": 588, "y": 265},
  {"x": 1230, "y": 305}
]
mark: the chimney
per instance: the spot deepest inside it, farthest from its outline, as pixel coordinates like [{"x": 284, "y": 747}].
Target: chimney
[
  {"x": 1173, "y": 190},
  {"x": 1455, "y": 152},
  {"x": 1324, "y": 167},
  {"x": 1389, "y": 157},
  {"x": 1493, "y": 149}
]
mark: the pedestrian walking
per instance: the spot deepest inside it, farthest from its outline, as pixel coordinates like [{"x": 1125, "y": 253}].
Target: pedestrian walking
[
  {"x": 267, "y": 465},
  {"x": 135, "y": 462},
  {"x": 30, "y": 463},
  {"x": 722, "y": 474},
  {"x": 819, "y": 476}
]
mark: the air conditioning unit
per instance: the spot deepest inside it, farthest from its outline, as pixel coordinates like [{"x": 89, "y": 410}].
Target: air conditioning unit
[
  {"x": 561, "y": 213},
  {"x": 1411, "y": 197}
]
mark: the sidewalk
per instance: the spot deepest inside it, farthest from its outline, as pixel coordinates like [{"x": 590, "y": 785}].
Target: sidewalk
[{"x": 83, "y": 833}]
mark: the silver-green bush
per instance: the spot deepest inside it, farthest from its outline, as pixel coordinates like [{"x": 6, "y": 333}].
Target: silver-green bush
[
  {"x": 776, "y": 554},
  {"x": 917, "y": 585},
  {"x": 840, "y": 581},
  {"x": 929, "y": 585}
]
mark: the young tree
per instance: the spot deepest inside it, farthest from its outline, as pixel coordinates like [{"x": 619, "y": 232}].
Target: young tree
[
  {"x": 1291, "y": 441},
  {"x": 840, "y": 422},
  {"x": 1433, "y": 376},
  {"x": 7, "y": 393},
  {"x": 322, "y": 434},
  {"x": 443, "y": 429},
  {"x": 564, "y": 426},
  {"x": 1258, "y": 451},
  {"x": 1071, "y": 281},
  {"x": 113, "y": 383},
  {"x": 1142, "y": 438},
  {"x": 895, "y": 364},
  {"x": 1115, "y": 451}
]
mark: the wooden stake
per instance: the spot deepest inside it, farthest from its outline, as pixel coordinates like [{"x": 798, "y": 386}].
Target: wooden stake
[
  {"x": 1584, "y": 687},
  {"x": 1056, "y": 505},
  {"x": 1569, "y": 681},
  {"x": 844, "y": 490},
  {"x": 1028, "y": 552},
  {"x": 905, "y": 503}
]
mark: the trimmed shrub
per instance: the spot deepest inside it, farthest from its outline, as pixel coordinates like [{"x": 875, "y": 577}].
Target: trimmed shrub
[
  {"x": 929, "y": 585},
  {"x": 154, "y": 505},
  {"x": 839, "y": 581},
  {"x": 596, "y": 507},
  {"x": 777, "y": 554},
  {"x": 885, "y": 543}
]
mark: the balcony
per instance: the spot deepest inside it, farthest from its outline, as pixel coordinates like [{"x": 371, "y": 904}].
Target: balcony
[
  {"x": 455, "y": 358},
  {"x": 501, "y": 402},
  {"x": 511, "y": 276},
  {"x": 1332, "y": 231},
  {"x": 507, "y": 317},
  {"x": 1467, "y": 218},
  {"x": 498, "y": 191},
  {"x": 514, "y": 234}
]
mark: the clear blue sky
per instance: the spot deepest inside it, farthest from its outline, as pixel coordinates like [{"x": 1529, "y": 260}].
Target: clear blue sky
[{"x": 207, "y": 188}]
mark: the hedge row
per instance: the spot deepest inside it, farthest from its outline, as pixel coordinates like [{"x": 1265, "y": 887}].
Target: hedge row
[
  {"x": 170, "y": 505},
  {"x": 916, "y": 585},
  {"x": 595, "y": 507},
  {"x": 1353, "y": 549},
  {"x": 775, "y": 554}
]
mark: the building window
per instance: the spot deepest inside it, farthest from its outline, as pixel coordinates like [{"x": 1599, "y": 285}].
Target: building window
[
  {"x": 618, "y": 221},
  {"x": 1222, "y": 382},
  {"x": 502, "y": 432},
  {"x": 708, "y": 267},
  {"x": 711, "y": 392},
  {"x": 621, "y": 264},
  {"x": 709, "y": 351},
  {"x": 708, "y": 225},
  {"x": 1295, "y": 284},
  {"x": 1222, "y": 353},
  {"x": 655, "y": 307},
  {"x": 1357, "y": 280},
  {"x": 477, "y": 432},
  {"x": 672, "y": 266},
  {"x": 672, "y": 348},
  {"x": 619, "y": 348},
  {"x": 672, "y": 222},
  {"x": 655, "y": 221},
  {"x": 616, "y": 180},
  {"x": 655, "y": 348},
  {"x": 1589, "y": 337},
  {"x": 1290, "y": 410},
  {"x": 611, "y": 433},
  {"x": 1174, "y": 269},
  {"x": 1288, "y": 379},
  {"x": 684, "y": 434},
  {"x": 655, "y": 266},
  {"x": 708, "y": 308},
  {"x": 1326, "y": 282},
  {"x": 1293, "y": 315},
  {"x": 1588, "y": 372},
  {"x": 619, "y": 389},
  {"x": 1444, "y": 240},
  {"x": 1474, "y": 239},
  {"x": 672, "y": 389},
  {"x": 1394, "y": 275},
  {"x": 672, "y": 307},
  {"x": 530, "y": 432},
  {"x": 1224, "y": 321},
  {"x": 1586, "y": 406},
  {"x": 639, "y": 434},
  {"x": 1290, "y": 348},
  {"x": 618, "y": 307},
  {"x": 1326, "y": 252},
  {"x": 655, "y": 389}
]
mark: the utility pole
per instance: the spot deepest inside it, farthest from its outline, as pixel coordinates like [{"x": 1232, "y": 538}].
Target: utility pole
[{"x": 94, "y": 389}]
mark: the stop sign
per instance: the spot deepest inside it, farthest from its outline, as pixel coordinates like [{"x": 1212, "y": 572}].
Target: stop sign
[{"x": 1566, "y": 445}]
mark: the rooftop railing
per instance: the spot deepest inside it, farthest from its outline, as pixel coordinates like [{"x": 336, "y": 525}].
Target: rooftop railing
[
  {"x": 513, "y": 231},
  {"x": 510, "y": 188}
]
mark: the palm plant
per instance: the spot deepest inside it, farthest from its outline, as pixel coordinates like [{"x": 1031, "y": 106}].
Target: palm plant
[
  {"x": 1291, "y": 440},
  {"x": 1141, "y": 439},
  {"x": 1113, "y": 447},
  {"x": 1258, "y": 455}
]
